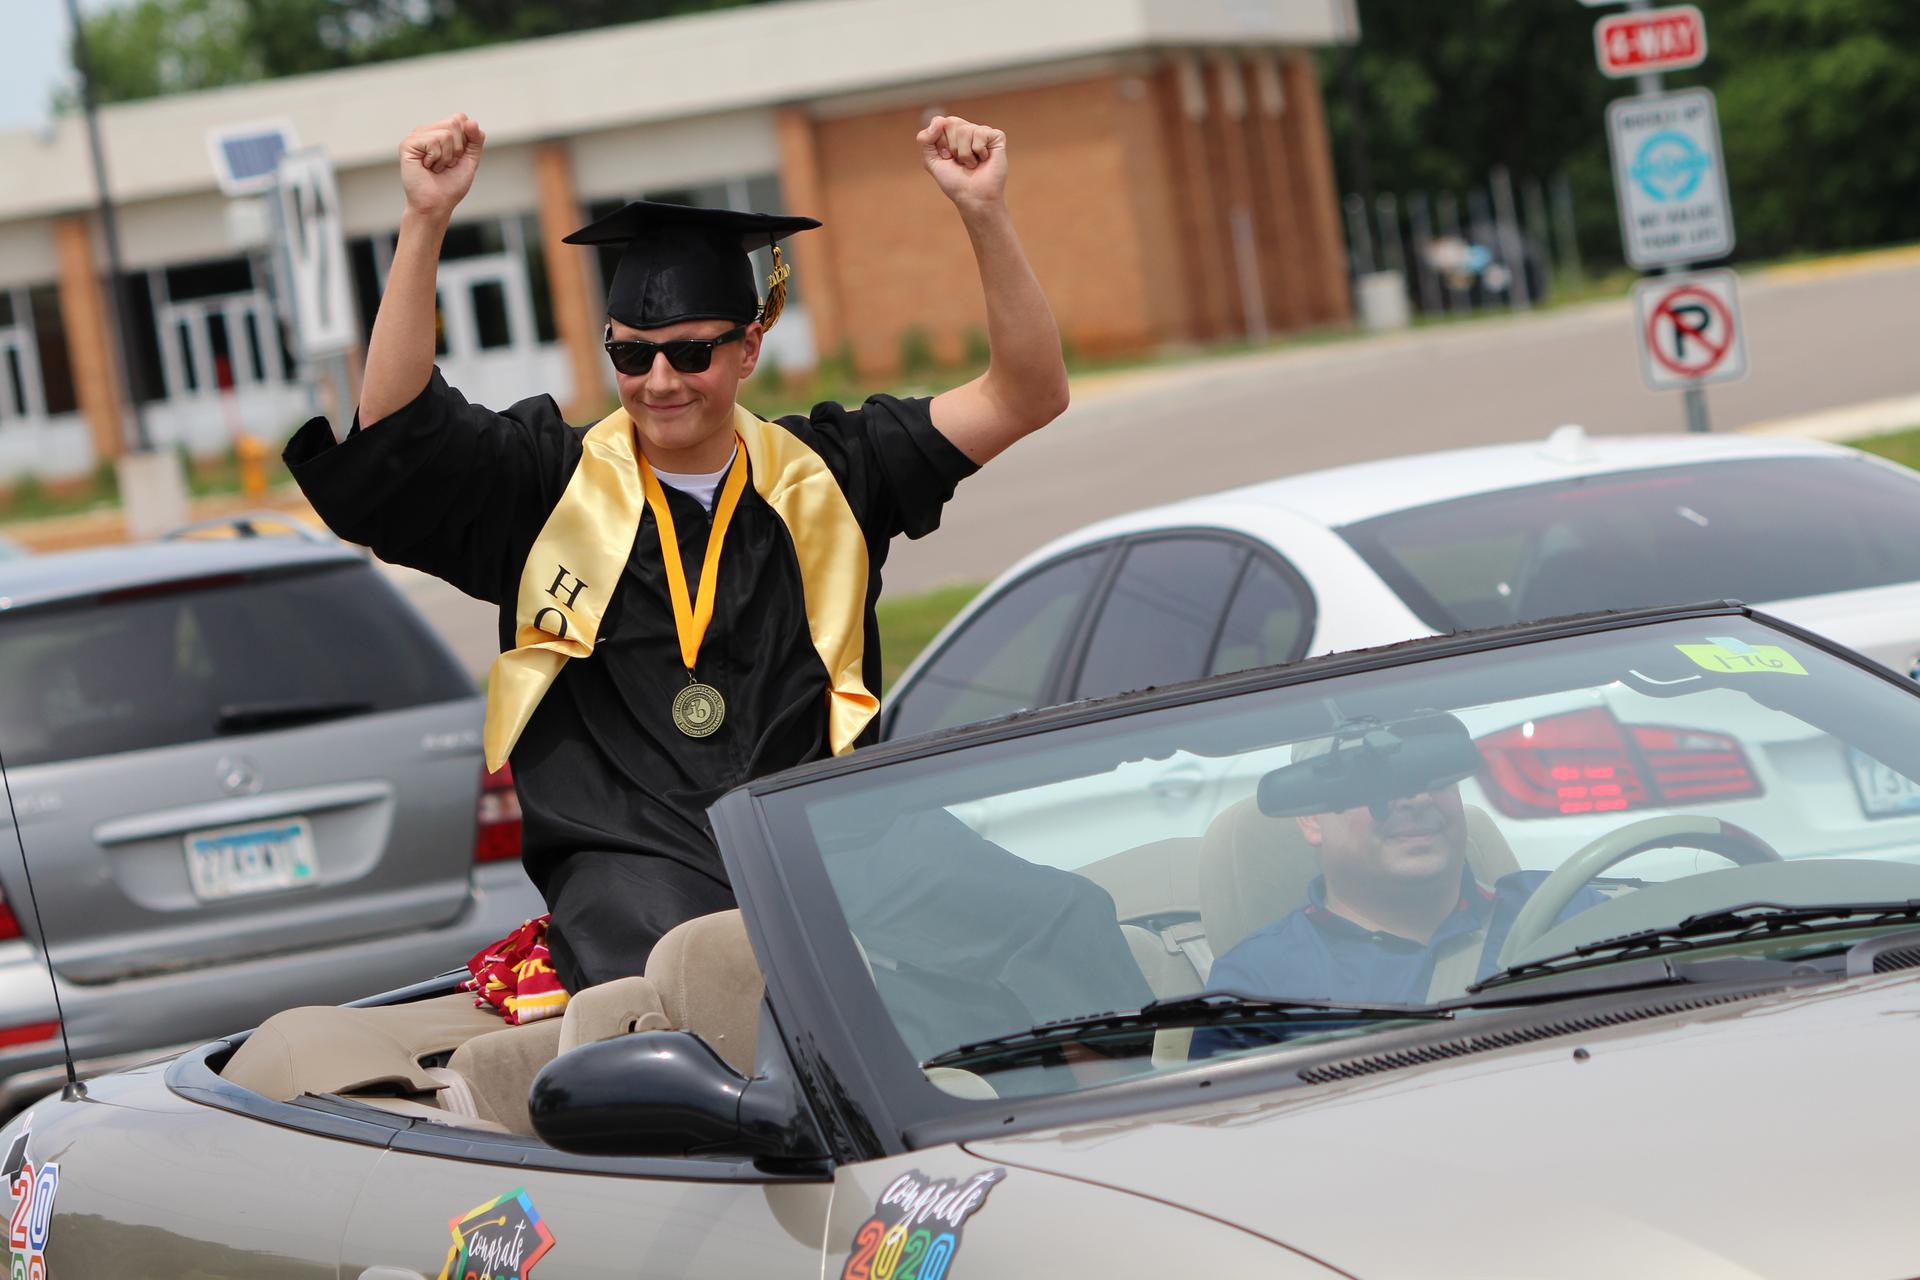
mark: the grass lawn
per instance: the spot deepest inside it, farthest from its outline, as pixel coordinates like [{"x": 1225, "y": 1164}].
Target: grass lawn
[
  {"x": 30, "y": 499},
  {"x": 908, "y": 622},
  {"x": 1902, "y": 447}
]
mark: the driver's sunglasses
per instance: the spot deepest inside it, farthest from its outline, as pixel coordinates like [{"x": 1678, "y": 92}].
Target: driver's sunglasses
[{"x": 688, "y": 355}]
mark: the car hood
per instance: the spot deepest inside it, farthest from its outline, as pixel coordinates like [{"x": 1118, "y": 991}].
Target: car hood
[{"x": 1754, "y": 1138}]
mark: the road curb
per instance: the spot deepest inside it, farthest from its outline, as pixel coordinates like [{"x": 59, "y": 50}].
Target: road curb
[{"x": 1852, "y": 422}]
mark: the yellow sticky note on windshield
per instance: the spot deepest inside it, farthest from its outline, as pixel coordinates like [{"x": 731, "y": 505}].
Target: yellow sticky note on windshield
[{"x": 1727, "y": 656}]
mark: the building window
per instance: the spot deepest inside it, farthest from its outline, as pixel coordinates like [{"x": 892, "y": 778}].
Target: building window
[
  {"x": 366, "y": 282},
  {"x": 539, "y": 286},
  {"x": 208, "y": 279},
  {"x": 491, "y": 326},
  {"x": 50, "y": 340},
  {"x": 145, "y": 381},
  {"x": 473, "y": 240}
]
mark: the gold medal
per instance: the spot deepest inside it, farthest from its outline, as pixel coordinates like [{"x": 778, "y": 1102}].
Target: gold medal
[{"x": 698, "y": 710}]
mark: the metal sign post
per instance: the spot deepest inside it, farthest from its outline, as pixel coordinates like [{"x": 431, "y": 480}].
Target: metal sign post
[{"x": 1672, "y": 191}]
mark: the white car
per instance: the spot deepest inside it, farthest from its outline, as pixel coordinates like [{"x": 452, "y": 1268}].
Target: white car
[{"x": 1382, "y": 552}]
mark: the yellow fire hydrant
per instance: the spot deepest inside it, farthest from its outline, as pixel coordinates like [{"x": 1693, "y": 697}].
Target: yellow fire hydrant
[{"x": 251, "y": 452}]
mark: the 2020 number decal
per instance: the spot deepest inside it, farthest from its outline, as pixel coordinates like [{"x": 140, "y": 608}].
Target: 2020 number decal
[{"x": 916, "y": 1226}]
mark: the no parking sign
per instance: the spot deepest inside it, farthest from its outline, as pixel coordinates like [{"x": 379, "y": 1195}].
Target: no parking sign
[{"x": 1690, "y": 329}]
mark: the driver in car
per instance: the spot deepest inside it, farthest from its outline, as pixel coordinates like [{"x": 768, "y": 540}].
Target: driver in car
[{"x": 1396, "y": 915}]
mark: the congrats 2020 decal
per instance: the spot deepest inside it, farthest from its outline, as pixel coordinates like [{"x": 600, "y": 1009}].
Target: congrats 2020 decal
[
  {"x": 915, "y": 1229},
  {"x": 31, "y": 1219}
]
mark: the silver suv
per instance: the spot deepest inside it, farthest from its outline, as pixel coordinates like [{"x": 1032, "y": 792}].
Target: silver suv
[{"x": 246, "y": 775}]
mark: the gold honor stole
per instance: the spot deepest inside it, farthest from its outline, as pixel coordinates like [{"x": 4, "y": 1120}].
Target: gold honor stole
[{"x": 583, "y": 548}]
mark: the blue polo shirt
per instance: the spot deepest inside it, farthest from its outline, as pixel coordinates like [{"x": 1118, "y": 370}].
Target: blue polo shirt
[{"x": 1315, "y": 953}]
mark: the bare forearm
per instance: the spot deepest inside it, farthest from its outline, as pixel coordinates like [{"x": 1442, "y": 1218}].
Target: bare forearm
[
  {"x": 400, "y": 353},
  {"x": 1025, "y": 385},
  {"x": 1025, "y": 371}
]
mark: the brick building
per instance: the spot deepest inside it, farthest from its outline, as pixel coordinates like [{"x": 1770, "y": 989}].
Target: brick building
[{"x": 1171, "y": 179}]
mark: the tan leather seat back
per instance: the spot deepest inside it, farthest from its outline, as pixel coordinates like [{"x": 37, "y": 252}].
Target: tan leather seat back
[
  {"x": 1255, "y": 869},
  {"x": 498, "y": 1068},
  {"x": 709, "y": 983},
  {"x": 612, "y": 1009}
]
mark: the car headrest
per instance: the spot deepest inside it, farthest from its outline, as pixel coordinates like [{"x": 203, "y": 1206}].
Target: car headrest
[
  {"x": 709, "y": 983},
  {"x": 1255, "y": 869}
]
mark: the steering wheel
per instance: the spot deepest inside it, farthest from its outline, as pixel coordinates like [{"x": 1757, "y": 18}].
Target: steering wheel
[{"x": 1674, "y": 831}]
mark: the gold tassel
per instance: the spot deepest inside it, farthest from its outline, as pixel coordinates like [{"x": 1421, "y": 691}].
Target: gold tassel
[{"x": 776, "y": 290}]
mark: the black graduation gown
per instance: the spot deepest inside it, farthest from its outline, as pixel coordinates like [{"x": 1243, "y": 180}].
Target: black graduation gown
[{"x": 461, "y": 492}]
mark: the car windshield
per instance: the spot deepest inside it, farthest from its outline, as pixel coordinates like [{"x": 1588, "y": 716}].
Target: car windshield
[
  {"x": 169, "y": 663},
  {"x": 1756, "y": 530},
  {"x": 1378, "y": 837}
]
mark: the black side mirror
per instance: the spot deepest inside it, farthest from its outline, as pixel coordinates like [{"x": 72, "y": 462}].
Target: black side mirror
[{"x": 667, "y": 1093}]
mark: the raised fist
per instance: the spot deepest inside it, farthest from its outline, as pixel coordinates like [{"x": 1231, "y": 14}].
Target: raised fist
[
  {"x": 968, "y": 160},
  {"x": 438, "y": 161}
]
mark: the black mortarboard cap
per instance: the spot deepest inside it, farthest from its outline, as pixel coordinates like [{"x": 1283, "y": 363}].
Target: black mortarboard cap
[{"x": 683, "y": 263}]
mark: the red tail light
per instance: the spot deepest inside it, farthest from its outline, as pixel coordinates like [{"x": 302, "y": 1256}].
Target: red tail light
[
  {"x": 9, "y": 923},
  {"x": 1588, "y": 762},
  {"x": 29, "y": 1033},
  {"x": 497, "y": 834}
]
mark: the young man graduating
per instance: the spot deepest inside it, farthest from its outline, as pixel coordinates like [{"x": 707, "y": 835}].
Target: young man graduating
[{"x": 686, "y": 591}]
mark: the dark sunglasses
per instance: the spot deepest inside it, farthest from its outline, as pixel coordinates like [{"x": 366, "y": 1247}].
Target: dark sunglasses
[{"x": 688, "y": 355}]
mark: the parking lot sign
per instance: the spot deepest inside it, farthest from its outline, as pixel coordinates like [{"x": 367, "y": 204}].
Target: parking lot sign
[
  {"x": 1632, "y": 44},
  {"x": 1669, "y": 179},
  {"x": 1690, "y": 330},
  {"x": 315, "y": 252}
]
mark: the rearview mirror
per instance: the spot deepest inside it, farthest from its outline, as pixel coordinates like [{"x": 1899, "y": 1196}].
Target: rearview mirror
[
  {"x": 1370, "y": 764},
  {"x": 666, "y": 1093}
]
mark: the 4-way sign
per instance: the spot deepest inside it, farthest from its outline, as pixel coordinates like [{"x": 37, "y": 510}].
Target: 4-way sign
[
  {"x": 1649, "y": 40},
  {"x": 1690, "y": 329}
]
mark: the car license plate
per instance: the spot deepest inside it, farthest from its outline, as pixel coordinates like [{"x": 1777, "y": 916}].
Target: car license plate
[
  {"x": 233, "y": 862},
  {"x": 1883, "y": 792}
]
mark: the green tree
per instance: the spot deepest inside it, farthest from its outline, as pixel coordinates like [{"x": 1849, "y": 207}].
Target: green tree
[{"x": 1816, "y": 101}]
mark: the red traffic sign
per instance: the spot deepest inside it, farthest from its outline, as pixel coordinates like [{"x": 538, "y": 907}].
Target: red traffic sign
[
  {"x": 1690, "y": 329},
  {"x": 1648, "y": 40}
]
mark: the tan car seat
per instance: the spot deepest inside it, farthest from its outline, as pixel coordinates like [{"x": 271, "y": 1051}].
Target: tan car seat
[
  {"x": 709, "y": 983},
  {"x": 701, "y": 977},
  {"x": 497, "y": 1069},
  {"x": 324, "y": 1049},
  {"x": 712, "y": 985}
]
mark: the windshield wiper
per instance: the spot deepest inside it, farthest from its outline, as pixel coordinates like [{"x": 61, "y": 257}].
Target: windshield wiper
[
  {"x": 251, "y": 717},
  {"x": 1713, "y": 929},
  {"x": 1210, "y": 1009}
]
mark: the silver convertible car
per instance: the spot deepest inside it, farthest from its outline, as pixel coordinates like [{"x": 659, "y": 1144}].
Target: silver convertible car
[{"x": 1343, "y": 1032}]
